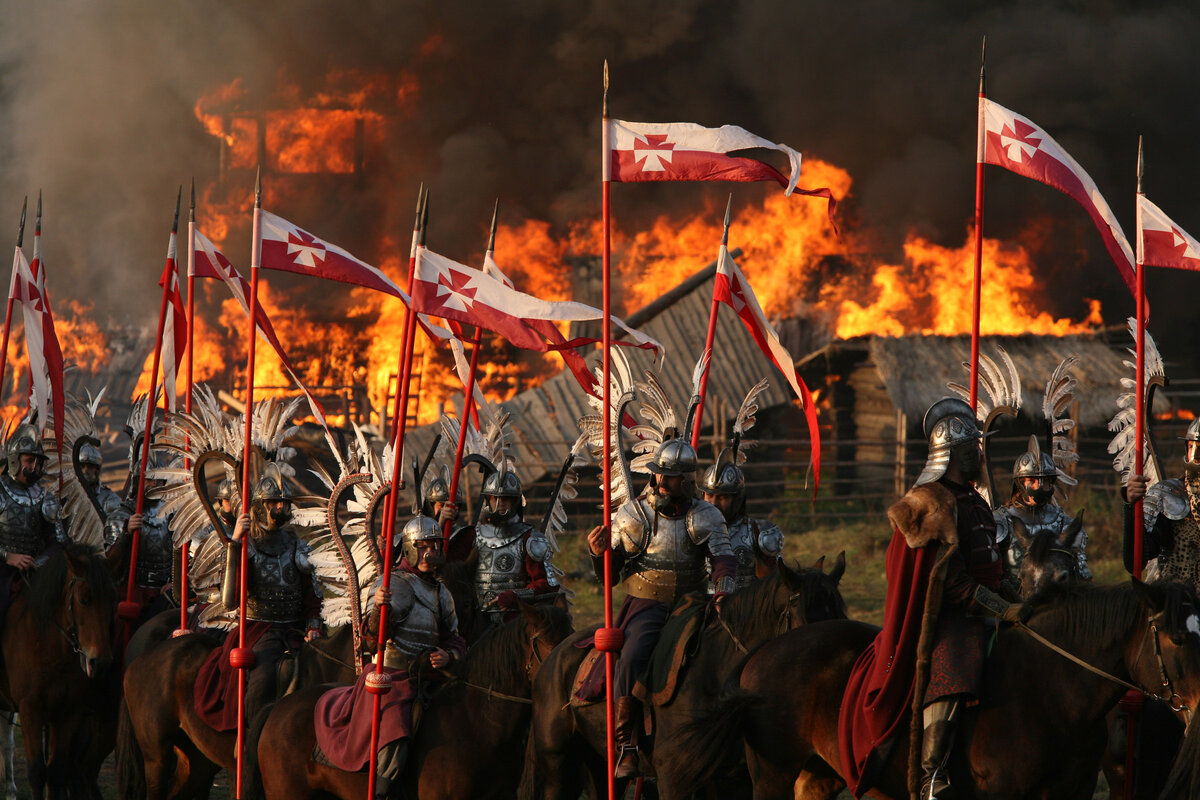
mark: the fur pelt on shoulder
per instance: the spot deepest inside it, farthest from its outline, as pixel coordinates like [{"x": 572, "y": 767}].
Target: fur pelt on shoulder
[{"x": 925, "y": 514}]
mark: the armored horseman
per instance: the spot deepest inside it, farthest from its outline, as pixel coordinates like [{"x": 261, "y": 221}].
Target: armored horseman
[
  {"x": 1171, "y": 509},
  {"x": 757, "y": 544},
  {"x": 283, "y": 601},
  {"x": 437, "y": 504},
  {"x": 156, "y": 558},
  {"x": 422, "y": 631},
  {"x": 513, "y": 556},
  {"x": 944, "y": 534},
  {"x": 27, "y": 511},
  {"x": 108, "y": 502}
]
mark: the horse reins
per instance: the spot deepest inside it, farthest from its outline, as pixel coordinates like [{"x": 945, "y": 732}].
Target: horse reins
[
  {"x": 1169, "y": 697},
  {"x": 534, "y": 661},
  {"x": 785, "y": 619},
  {"x": 71, "y": 634}
]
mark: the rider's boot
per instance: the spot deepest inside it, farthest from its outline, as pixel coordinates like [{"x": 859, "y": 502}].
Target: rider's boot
[
  {"x": 941, "y": 719},
  {"x": 392, "y": 757},
  {"x": 629, "y": 713}
]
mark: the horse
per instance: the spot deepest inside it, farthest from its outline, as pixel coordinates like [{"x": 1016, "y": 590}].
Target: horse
[
  {"x": 565, "y": 735},
  {"x": 164, "y": 748},
  {"x": 470, "y": 741},
  {"x": 1039, "y": 733},
  {"x": 1051, "y": 560},
  {"x": 58, "y": 634}
]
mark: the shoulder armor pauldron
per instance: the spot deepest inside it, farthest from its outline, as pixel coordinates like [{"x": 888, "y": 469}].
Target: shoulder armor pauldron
[
  {"x": 302, "y": 552},
  {"x": 1168, "y": 498},
  {"x": 702, "y": 520},
  {"x": 770, "y": 538},
  {"x": 629, "y": 533},
  {"x": 537, "y": 546}
]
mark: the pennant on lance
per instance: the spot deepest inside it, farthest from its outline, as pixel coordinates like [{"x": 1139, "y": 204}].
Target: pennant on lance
[
  {"x": 41, "y": 341},
  {"x": 212, "y": 263},
  {"x": 174, "y": 341},
  {"x": 453, "y": 291},
  {"x": 734, "y": 290},
  {"x": 1006, "y": 139},
  {"x": 1162, "y": 243}
]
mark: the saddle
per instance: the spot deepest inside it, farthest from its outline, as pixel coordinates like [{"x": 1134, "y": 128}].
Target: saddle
[{"x": 676, "y": 645}]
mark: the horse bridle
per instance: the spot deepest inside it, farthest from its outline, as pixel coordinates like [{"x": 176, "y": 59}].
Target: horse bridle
[
  {"x": 70, "y": 633},
  {"x": 531, "y": 666},
  {"x": 1169, "y": 695},
  {"x": 783, "y": 626}
]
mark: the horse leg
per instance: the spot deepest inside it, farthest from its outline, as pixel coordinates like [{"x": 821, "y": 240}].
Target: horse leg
[
  {"x": 32, "y": 730},
  {"x": 818, "y": 781},
  {"x": 8, "y": 746}
]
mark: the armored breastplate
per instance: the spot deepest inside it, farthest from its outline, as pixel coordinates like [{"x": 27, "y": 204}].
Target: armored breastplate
[
  {"x": 741, "y": 538},
  {"x": 1182, "y": 563},
  {"x": 21, "y": 522},
  {"x": 415, "y": 610},
  {"x": 274, "y": 593},
  {"x": 670, "y": 548},
  {"x": 501, "y": 560},
  {"x": 154, "y": 551}
]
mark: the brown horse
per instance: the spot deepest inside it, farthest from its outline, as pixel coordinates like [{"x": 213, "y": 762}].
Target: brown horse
[
  {"x": 165, "y": 750},
  {"x": 1051, "y": 560},
  {"x": 1039, "y": 734},
  {"x": 470, "y": 742},
  {"x": 566, "y": 736},
  {"x": 57, "y": 634}
]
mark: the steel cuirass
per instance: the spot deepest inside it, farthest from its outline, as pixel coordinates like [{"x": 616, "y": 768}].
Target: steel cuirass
[
  {"x": 277, "y": 566},
  {"x": 155, "y": 550},
  {"x": 501, "y": 563},
  {"x": 751, "y": 540},
  {"x": 1037, "y": 519},
  {"x": 670, "y": 559},
  {"x": 23, "y": 527},
  {"x": 420, "y": 611}
]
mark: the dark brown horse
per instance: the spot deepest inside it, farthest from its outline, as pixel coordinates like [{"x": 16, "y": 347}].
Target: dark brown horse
[
  {"x": 1051, "y": 560},
  {"x": 470, "y": 742},
  {"x": 58, "y": 633},
  {"x": 1039, "y": 734},
  {"x": 165, "y": 750},
  {"x": 566, "y": 737}
]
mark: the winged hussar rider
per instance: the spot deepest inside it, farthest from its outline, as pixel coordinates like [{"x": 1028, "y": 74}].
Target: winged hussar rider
[
  {"x": 757, "y": 543},
  {"x": 1036, "y": 474},
  {"x": 27, "y": 511},
  {"x": 665, "y": 542}
]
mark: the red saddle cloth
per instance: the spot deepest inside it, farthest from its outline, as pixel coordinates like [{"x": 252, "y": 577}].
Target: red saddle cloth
[
  {"x": 217, "y": 681},
  {"x": 343, "y": 716}
]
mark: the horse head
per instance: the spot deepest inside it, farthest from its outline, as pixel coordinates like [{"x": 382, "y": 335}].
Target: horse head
[
  {"x": 74, "y": 592},
  {"x": 1051, "y": 561},
  {"x": 546, "y": 624},
  {"x": 820, "y": 599}
]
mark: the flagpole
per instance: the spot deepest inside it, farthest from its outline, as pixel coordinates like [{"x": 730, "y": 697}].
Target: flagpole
[
  {"x": 978, "y": 275},
  {"x": 608, "y": 639},
  {"x": 468, "y": 389},
  {"x": 130, "y": 609},
  {"x": 378, "y": 683},
  {"x": 242, "y": 658},
  {"x": 12, "y": 289},
  {"x": 185, "y": 547},
  {"x": 712, "y": 334}
]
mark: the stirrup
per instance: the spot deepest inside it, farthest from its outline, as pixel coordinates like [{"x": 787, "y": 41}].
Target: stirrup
[{"x": 630, "y": 768}]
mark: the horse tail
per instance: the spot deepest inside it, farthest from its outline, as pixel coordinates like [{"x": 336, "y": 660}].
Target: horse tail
[
  {"x": 131, "y": 769},
  {"x": 526, "y": 789},
  {"x": 251, "y": 776},
  {"x": 1183, "y": 782},
  {"x": 709, "y": 742}
]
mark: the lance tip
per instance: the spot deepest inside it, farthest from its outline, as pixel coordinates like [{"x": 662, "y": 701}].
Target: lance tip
[
  {"x": 491, "y": 246},
  {"x": 37, "y": 224},
  {"x": 606, "y": 87},
  {"x": 420, "y": 205},
  {"x": 728, "y": 220},
  {"x": 424, "y": 218},
  {"x": 178, "y": 203},
  {"x": 193, "y": 206},
  {"x": 1141, "y": 165},
  {"x": 21, "y": 225},
  {"x": 258, "y": 187}
]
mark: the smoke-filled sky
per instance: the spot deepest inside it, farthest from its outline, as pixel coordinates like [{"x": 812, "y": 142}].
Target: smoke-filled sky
[{"x": 97, "y": 105}]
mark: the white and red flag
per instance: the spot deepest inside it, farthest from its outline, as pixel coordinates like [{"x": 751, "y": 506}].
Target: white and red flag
[
  {"x": 444, "y": 288},
  {"x": 212, "y": 263},
  {"x": 41, "y": 342},
  {"x": 1162, "y": 243},
  {"x": 1006, "y": 139},
  {"x": 734, "y": 290},
  {"x": 174, "y": 336}
]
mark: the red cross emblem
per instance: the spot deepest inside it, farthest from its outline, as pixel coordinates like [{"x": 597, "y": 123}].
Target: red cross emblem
[
  {"x": 1019, "y": 145},
  {"x": 653, "y": 150},
  {"x": 454, "y": 290},
  {"x": 305, "y": 249}
]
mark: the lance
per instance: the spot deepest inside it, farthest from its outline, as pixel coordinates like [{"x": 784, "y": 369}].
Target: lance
[
  {"x": 712, "y": 333},
  {"x": 467, "y": 391},
  {"x": 185, "y": 547},
  {"x": 12, "y": 291},
  {"x": 130, "y": 608},
  {"x": 978, "y": 275},
  {"x": 378, "y": 682},
  {"x": 39, "y": 277},
  {"x": 241, "y": 658},
  {"x": 609, "y": 638},
  {"x": 1132, "y": 702}
]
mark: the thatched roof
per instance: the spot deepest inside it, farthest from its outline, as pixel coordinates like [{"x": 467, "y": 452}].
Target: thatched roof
[{"x": 915, "y": 369}]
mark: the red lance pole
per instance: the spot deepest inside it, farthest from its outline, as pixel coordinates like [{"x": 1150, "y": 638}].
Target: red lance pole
[
  {"x": 468, "y": 389},
  {"x": 712, "y": 334},
  {"x": 608, "y": 639},
  {"x": 378, "y": 683},
  {"x": 978, "y": 279},
  {"x": 130, "y": 608},
  {"x": 241, "y": 658},
  {"x": 12, "y": 290},
  {"x": 1132, "y": 702},
  {"x": 185, "y": 548}
]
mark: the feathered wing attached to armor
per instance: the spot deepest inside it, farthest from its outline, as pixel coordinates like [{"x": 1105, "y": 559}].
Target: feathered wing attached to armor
[
  {"x": 487, "y": 448},
  {"x": 1001, "y": 396},
  {"x": 1056, "y": 403},
  {"x": 744, "y": 421},
  {"x": 1123, "y": 423},
  {"x": 86, "y": 518},
  {"x": 623, "y": 393}
]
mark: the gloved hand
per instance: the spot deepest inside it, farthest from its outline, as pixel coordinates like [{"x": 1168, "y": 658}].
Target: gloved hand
[
  {"x": 990, "y": 604},
  {"x": 506, "y": 599}
]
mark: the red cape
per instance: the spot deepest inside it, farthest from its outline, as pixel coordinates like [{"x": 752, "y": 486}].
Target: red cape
[{"x": 880, "y": 690}]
